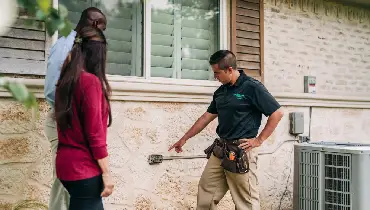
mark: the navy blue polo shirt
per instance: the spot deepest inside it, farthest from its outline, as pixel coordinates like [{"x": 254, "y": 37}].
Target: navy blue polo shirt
[{"x": 240, "y": 107}]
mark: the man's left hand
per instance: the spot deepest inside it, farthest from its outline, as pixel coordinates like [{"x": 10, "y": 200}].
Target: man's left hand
[{"x": 248, "y": 144}]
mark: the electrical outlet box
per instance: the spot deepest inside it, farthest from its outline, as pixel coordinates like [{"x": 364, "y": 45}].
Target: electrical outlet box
[
  {"x": 309, "y": 84},
  {"x": 296, "y": 123}
]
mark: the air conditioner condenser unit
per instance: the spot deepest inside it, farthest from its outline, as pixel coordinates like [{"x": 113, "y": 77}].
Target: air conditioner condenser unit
[{"x": 331, "y": 176}]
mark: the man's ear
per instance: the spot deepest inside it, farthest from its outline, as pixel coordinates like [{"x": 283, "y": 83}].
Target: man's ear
[{"x": 230, "y": 69}]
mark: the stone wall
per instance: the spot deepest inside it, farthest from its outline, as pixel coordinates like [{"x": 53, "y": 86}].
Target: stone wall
[
  {"x": 322, "y": 43},
  {"x": 140, "y": 129}
]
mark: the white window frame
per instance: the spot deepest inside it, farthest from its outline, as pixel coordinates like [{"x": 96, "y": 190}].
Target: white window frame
[{"x": 146, "y": 78}]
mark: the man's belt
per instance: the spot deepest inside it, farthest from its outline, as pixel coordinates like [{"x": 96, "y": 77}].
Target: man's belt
[
  {"x": 233, "y": 158},
  {"x": 221, "y": 140}
]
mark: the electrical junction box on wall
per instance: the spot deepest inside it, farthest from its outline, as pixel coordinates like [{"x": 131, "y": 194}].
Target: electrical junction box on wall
[
  {"x": 310, "y": 84},
  {"x": 296, "y": 123}
]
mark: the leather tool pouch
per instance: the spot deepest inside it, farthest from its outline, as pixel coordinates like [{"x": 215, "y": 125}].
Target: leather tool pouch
[
  {"x": 222, "y": 150},
  {"x": 216, "y": 148},
  {"x": 210, "y": 149},
  {"x": 238, "y": 164},
  {"x": 218, "y": 151}
]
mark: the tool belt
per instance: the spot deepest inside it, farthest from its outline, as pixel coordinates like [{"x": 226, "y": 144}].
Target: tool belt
[{"x": 233, "y": 158}]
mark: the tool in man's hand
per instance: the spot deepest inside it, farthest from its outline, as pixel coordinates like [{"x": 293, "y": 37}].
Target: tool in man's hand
[{"x": 156, "y": 159}]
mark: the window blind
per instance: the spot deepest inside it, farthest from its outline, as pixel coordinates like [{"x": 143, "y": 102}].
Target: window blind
[
  {"x": 163, "y": 57},
  {"x": 75, "y": 8},
  {"x": 184, "y": 36},
  {"x": 123, "y": 32},
  {"x": 199, "y": 38}
]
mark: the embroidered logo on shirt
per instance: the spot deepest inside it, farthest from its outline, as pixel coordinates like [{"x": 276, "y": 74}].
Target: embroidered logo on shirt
[{"x": 239, "y": 96}]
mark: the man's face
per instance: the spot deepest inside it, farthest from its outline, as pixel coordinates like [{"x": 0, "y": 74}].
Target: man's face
[
  {"x": 98, "y": 20},
  {"x": 223, "y": 76}
]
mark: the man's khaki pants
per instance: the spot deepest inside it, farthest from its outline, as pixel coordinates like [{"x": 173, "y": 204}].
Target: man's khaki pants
[
  {"x": 59, "y": 197},
  {"x": 216, "y": 181}
]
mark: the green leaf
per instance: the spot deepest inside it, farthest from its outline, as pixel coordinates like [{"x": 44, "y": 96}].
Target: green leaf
[
  {"x": 54, "y": 13},
  {"x": 19, "y": 91},
  {"x": 53, "y": 25},
  {"x": 40, "y": 15},
  {"x": 26, "y": 3},
  {"x": 50, "y": 28},
  {"x": 30, "y": 6},
  {"x": 44, "y": 5},
  {"x": 66, "y": 29},
  {"x": 63, "y": 11},
  {"x": 54, "y": 19},
  {"x": 30, "y": 102}
]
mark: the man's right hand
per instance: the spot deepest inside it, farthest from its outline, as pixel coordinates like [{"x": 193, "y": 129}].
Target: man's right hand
[
  {"x": 178, "y": 145},
  {"x": 198, "y": 126}
]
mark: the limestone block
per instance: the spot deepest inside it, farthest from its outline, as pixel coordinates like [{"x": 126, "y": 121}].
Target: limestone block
[
  {"x": 13, "y": 177},
  {"x": 15, "y": 119},
  {"x": 43, "y": 170},
  {"x": 20, "y": 148},
  {"x": 36, "y": 191}
]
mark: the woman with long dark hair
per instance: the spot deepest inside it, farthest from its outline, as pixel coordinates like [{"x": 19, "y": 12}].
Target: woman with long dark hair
[{"x": 83, "y": 113}]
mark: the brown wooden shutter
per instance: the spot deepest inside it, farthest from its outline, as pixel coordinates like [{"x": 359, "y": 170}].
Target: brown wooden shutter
[{"x": 247, "y": 36}]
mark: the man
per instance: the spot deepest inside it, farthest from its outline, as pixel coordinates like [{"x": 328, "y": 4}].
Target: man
[
  {"x": 239, "y": 104},
  {"x": 59, "y": 197}
]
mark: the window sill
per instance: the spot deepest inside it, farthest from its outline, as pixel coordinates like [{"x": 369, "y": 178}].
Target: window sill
[
  {"x": 190, "y": 91},
  {"x": 329, "y": 101},
  {"x": 141, "y": 89},
  {"x": 160, "y": 80},
  {"x": 162, "y": 89}
]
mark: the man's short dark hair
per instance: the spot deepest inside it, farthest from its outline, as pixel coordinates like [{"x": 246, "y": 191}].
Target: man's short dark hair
[
  {"x": 85, "y": 16},
  {"x": 224, "y": 58}
]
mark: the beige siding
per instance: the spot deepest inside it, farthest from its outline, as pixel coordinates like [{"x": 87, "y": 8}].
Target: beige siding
[{"x": 22, "y": 49}]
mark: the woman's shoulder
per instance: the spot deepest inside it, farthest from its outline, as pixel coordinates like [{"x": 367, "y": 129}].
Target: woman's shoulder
[
  {"x": 88, "y": 79},
  {"x": 89, "y": 82}
]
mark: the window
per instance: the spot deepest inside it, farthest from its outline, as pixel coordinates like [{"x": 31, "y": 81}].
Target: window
[
  {"x": 123, "y": 33},
  {"x": 183, "y": 35}
]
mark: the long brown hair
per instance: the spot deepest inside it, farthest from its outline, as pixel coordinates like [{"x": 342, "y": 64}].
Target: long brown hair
[{"x": 89, "y": 54}]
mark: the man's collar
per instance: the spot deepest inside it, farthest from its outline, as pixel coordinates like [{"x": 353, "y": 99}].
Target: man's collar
[
  {"x": 240, "y": 78},
  {"x": 73, "y": 33}
]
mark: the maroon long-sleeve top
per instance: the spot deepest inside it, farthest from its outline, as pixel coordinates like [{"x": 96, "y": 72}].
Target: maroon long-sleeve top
[{"x": 84, "y": 143}]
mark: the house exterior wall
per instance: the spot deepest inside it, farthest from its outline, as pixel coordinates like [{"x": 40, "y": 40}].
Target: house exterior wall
[
  {"x": 334, "y": 49},
  {"x": 143, "y": 128}
]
